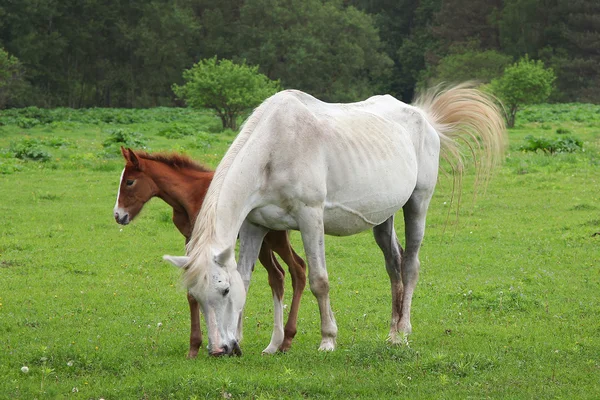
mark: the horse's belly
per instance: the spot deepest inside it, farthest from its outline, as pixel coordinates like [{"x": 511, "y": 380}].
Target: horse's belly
[
  {"x": 273, "y": 217},
  {"x": 349, "y": 218}
]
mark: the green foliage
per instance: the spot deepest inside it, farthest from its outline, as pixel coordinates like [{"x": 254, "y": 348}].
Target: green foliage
[
  {"x": 471, "y": 64},
  {"x": 228, "y": 88},
  {"x": 176, "y": 131},
  {"x": 29, "y": 149},
  {"x": 566, "y": 144},
  {"x": 525, "y": 82},
  {"x": 322, "y": 47},
  {"x": 11, "y": 72},
  {"x": 123, "y": 137}
]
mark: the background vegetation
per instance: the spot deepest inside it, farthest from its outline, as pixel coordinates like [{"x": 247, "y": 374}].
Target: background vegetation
[
  {"x": 506, "y": 306},
  {"x": 113, "y": 53}
]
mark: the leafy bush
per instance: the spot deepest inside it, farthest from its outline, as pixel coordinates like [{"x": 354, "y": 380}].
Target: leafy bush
[
  {"x": 567, "y": 144},
  {"x": 176, "y": 131},
  {"x": 29, "y": 149},
  {"x": 124, "y": 137},
  {"x": 226, "y": 87},
  {"x": 525, "y": 82},
  {"x": 563, "y": 131}
]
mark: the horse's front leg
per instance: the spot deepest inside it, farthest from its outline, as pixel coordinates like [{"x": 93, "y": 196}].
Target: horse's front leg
[
  {"x": 251, "y": 238},
  {"x": 195, "y": 331},
  {"x": 313, "y": 236}
]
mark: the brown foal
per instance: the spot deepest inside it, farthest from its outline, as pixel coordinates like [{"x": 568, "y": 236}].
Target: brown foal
[{"x": 182, "y": 183}]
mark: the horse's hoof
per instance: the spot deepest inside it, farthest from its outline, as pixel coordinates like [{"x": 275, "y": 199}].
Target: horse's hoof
[
  {"x": 398, "y": 339},
  {"x": 327, "y": 345},
  {"x": 270, "y": 350}
]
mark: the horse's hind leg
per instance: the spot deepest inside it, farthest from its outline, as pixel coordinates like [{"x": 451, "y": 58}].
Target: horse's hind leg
[
  {"x": 280, "y": 243},
  {"x": 195, "y": 332},
  {"x": 385, "y": 236},
  {"x": 415, "y": 211}
]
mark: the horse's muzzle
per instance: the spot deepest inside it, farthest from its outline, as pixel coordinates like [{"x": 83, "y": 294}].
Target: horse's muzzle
[{"x": 228, "y": 350}]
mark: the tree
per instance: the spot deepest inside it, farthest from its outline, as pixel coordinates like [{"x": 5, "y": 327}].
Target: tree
[
  {"x": 10, "y": 76},
  {"x": 225, "y": 87},
  {"x": 321, "y": 47},
  {"x": 525, "y": 82},
  {"x": 471, "y": 64}
]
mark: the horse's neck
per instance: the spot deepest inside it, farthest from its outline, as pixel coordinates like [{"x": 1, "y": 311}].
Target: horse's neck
[{"x": 229, "y": 201}]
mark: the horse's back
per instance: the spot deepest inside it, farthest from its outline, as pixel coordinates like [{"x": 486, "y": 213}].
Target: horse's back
[{"x": 350, "y": 159}]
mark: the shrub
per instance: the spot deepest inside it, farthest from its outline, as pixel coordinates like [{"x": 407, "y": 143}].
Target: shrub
[
  {"x": 124, "y": 137},
  {"x": 525, "y": 82},
  {"x": 566, "y": 144},
  {"x": 563, "y": 131},
  {"x": 176, "y": 131},
  {"x": 29, "y": 149},
  {"x": 227, "y": 88}
]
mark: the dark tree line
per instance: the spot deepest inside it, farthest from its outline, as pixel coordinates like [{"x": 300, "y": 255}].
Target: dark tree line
[{"x": 129, "y": 53}]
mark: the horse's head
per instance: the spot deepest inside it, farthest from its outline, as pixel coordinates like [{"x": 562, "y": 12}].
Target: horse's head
[
  {"x": 135, "y": 188},
  {"x": 217, "y": 286}
]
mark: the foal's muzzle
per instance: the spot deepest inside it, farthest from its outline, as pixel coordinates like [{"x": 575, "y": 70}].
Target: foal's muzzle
[{"x": 122, "y": 219}]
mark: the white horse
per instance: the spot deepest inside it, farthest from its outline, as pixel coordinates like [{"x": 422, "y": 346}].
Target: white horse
[{"x": 338, "y": 169}]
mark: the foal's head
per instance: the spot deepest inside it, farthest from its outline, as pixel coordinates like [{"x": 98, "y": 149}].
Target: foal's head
[{"x": 135, "y": 188}]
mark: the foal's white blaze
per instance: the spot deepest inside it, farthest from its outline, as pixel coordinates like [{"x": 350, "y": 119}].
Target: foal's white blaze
[{"x": 119, "y": 212}]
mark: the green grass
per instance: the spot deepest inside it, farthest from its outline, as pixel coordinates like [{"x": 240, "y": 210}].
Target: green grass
[{"x": 506, "y": 306}]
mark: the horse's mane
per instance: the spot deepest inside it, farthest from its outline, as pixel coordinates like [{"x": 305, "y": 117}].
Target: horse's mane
[
  {"x": 205, "y": 225},
  {"x": 174, "y": 160}
]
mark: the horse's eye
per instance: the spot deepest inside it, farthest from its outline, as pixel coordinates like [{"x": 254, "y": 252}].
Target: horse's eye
[
  {"x": 129, "y": 182},
  {"x": 225, "y": 292}
]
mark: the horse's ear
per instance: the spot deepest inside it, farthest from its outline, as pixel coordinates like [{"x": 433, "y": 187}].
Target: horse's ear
[
  {"x": 133, "y": 158},
  {"x": 178, "y": 261},
  {"x": 223, "y": 256}
]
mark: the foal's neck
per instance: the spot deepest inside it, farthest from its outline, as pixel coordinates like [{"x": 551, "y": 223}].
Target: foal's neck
[{"x": 184, "y": 190}]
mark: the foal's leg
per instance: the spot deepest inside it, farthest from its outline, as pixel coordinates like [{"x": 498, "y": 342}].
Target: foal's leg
[
  {"x": 313, "y": 235},
  {"x": 279, "y": 242},
  {"x": 385, "y": 236},
  {"x": 195, "y": 332},
  {"x": 276, "y": 281}
]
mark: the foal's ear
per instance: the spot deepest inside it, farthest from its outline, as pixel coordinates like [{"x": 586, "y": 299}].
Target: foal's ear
[
  {"x": 178, "y": 261},
  {"x": 132, "y": 158}
]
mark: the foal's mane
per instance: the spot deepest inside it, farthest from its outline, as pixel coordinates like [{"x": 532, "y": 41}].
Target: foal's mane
[{"x": 174, "y": 160}]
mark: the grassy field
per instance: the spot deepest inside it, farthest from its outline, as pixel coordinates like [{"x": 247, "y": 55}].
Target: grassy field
[{"x": 507, "y": 305}]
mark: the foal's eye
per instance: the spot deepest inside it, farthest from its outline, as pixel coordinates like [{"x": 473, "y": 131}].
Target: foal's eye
[
  {"x": 225, "y": 292},
  {"x": 129, "y": 182}
]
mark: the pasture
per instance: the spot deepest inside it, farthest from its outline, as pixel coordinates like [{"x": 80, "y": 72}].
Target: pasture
[{"x": 506, "y": 305}]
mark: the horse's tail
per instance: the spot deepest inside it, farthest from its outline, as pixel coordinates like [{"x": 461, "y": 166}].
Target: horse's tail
[{"x": 464, "y": 114}]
